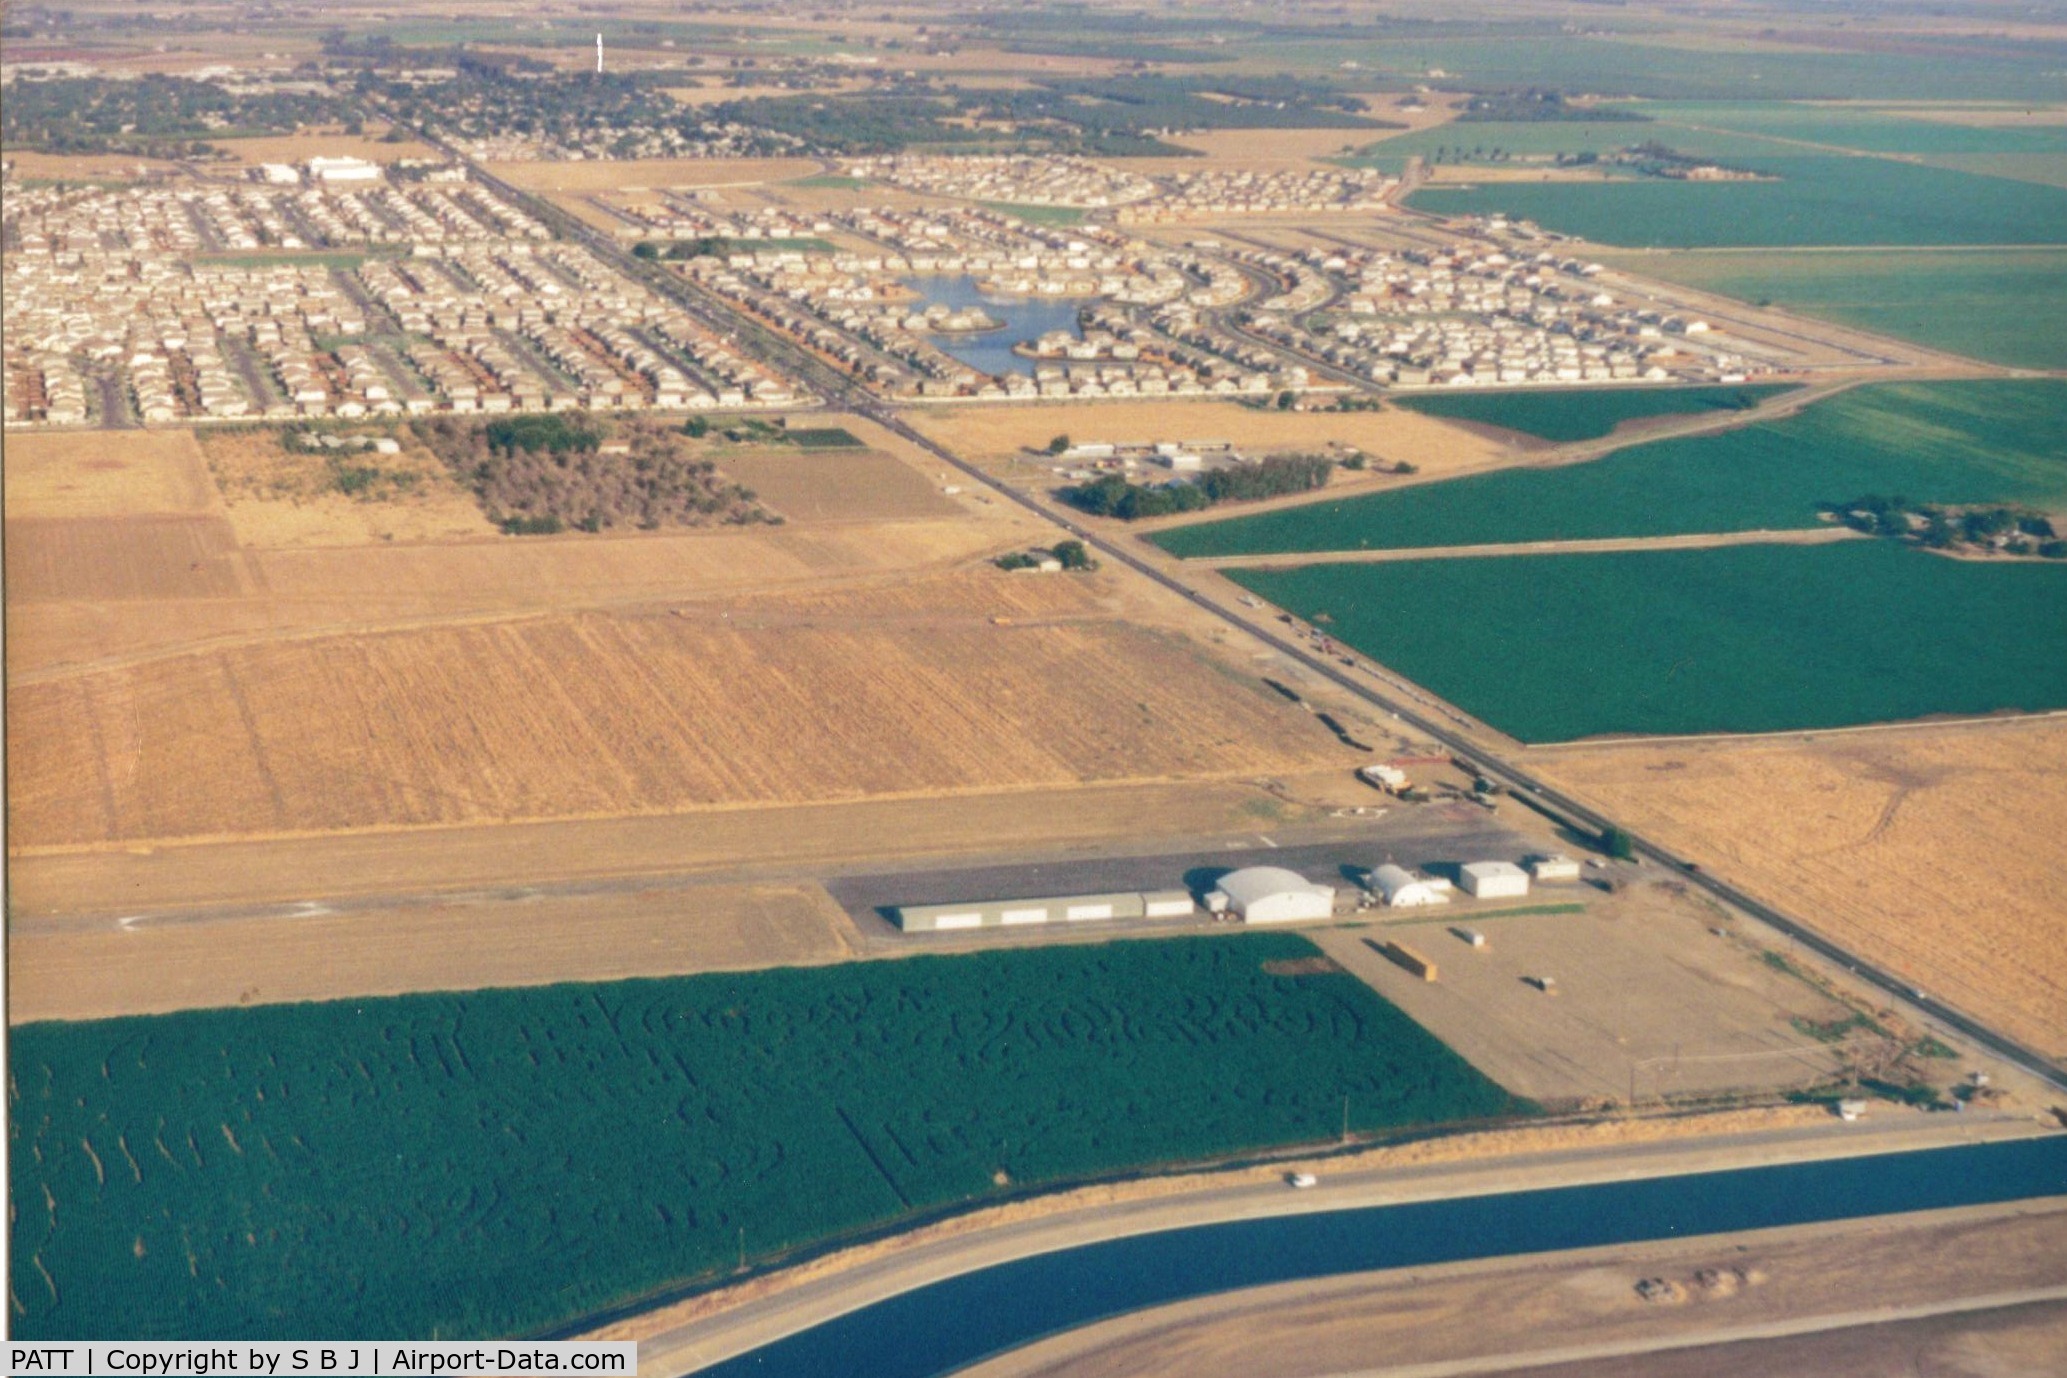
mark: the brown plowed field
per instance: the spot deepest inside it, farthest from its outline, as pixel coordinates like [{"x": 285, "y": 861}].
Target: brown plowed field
[
  {"x": 121, "y": 559},
  {"x": 1934, "y": 852},
  {"x": 591, "y": 714}
]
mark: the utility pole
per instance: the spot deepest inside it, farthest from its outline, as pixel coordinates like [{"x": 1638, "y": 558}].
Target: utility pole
[
  {"x": 742, "y": 1248},
  {"x": 1345, "y": 1119}
]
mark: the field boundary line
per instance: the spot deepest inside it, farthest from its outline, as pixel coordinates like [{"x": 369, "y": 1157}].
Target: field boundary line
[
  {"x": 1592, "y": 545},
  {"x": 1803, "y": 734}
]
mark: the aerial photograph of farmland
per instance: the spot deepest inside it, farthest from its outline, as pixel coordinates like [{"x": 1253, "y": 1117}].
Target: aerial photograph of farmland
[{"x": 1177, "y": 687}]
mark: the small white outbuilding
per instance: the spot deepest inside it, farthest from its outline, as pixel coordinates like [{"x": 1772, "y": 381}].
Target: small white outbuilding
[
  {"x": 1271, "y": 894},
  {"x": 1493, "y": 880},
  {"x": 1400, "y": 888}
]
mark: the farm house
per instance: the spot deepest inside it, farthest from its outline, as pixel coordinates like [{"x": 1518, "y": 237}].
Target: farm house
[
  {"x": 1400, "y": 888},
  {"x": 1493, "y": 880},
  {"x": 1271, "y": 894}
]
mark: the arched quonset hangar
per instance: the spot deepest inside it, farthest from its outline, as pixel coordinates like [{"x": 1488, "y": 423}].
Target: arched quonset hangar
[
  {"x": 1400, "y": 888},
  {"x": 1271, "y": 894}
]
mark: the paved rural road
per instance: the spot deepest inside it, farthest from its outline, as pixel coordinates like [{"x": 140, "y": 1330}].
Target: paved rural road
[
  {"x": 710, "y": 1339},
  {"x": 1562, "y": 806}
]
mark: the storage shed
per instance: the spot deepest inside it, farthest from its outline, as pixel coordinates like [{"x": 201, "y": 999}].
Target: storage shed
[
  {"x": 1493, "y": 880},
  {"x": 1558, "y": 867},
  {"x": 1271, "y": 894},
  {"x": 1400, "y": 888}
]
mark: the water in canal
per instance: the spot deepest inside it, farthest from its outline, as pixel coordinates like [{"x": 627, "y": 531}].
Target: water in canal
[
  {"x": 991, "y": 351},
  {"x": 937, "y": 1329}
]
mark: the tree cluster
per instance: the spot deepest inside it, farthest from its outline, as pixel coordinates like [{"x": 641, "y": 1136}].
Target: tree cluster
[
  {"x": 2021, "y": 531},
  {"x": 152, "y": 115},
  {"x": 1114, "y": 496},
  {"x": 536, "y": 475},
  {"x": 1537, "y": 105}
]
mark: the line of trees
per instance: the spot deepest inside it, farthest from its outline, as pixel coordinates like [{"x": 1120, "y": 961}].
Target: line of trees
[{"x": 1114, "y": 496}]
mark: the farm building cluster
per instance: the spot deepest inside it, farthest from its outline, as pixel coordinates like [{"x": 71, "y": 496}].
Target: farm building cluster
[{"x": 176, "y": 304}]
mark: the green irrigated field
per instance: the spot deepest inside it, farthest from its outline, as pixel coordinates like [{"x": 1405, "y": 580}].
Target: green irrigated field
[
  {"x": 2008, "y": 306},
  {"x": 1952, "y": 442},
  {"x": 1854, "y": 127},
  {"x": 1567, "y": 414},
  {"x": 1812, "y": 200},
  {"x": 494, "y": 1163},
  {"x": 1948, "y": 69},
  {"x": 1760, "y": 638}
]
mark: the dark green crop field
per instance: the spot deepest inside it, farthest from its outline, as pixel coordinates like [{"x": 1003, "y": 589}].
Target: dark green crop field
[
  {"x": 1952, "y": 442},
  {"x": 2008, "y": 306},
  {"x": 1760, "y": 638},
  {"x": 1812, "y": 199},
  {"x": 492, "y": 1163},
  {"x": 1566, "y": 414}
]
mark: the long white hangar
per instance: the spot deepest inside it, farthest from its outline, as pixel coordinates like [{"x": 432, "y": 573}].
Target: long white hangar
[{"x": 1057, "y": 909}]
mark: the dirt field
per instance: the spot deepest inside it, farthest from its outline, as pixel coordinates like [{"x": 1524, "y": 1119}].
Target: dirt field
[
  {"x": 1627, "y": 971},
  {"x": 297, "y": 148},
  {"x": 653, "y": 172},
  {"x": 1269, "y": 148},
  {"x": 1933, "y": 852},
  {"x": 1525, "y": 1310},
  {"x": 98, "y": 474},
  {"x": 595, "y": 714},
  {"x": 487, "y": 939},
  {"x": 718, "y": 94},
  {"x": 65, "y": 167},
  {"x": 277, "y": 497},
  {"x": 837, "y": 485},
  {"x": 1437, "y": 448}
]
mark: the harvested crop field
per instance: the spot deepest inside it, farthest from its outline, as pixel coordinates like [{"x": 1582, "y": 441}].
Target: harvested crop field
[
  {"x": 103, "y": 474},
  {"x": 836, "y": 485},
  {"x": 316, "y": 588},
  {"x": 653, "y": 172},
  {"x": 1933, "y": 852},
  {"x": 357, "y": 1169},
  {"x": 1392, "y": 434},
  {"x": 121, "y": 559},
  {"x": 596, "y": 714}
]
